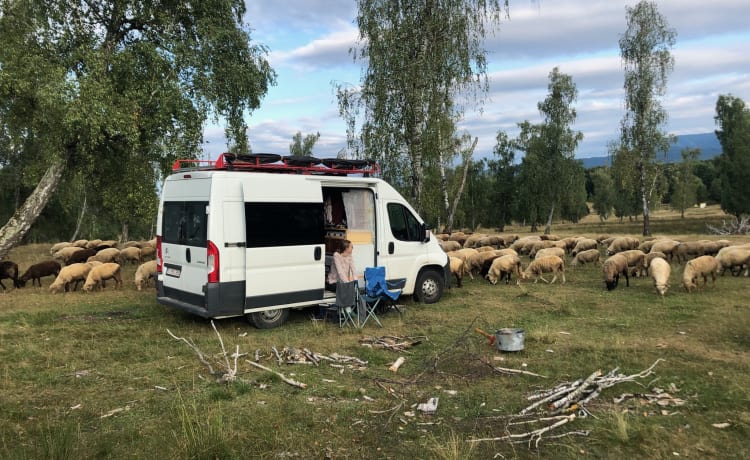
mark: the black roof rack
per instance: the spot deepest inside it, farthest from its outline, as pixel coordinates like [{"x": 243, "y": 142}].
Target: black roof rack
[{"x": 290, "y": 164}]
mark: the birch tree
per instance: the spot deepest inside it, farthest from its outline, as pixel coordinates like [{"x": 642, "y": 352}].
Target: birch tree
[{"x": 647, "y": 60}]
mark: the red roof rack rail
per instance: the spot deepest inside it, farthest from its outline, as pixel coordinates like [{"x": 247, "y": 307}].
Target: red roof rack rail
[{"x": 270, "y": 162}]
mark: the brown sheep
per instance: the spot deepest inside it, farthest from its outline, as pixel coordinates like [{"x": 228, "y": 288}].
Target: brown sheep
[
  {"x": 700, "y": 266},
  {"x": 503, "y": 267},
  {"x": 549, "y": 264},
  {"x": 9, "y": 270},
  {"x": 99, "y": 274},
  {"x": 36, "y": 272},
  {"x": 613, "y": 267},
  {"x": 80, "y": 256}
]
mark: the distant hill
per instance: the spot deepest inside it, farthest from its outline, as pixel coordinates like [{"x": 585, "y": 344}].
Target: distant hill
[{"x": 706, "y": 142}]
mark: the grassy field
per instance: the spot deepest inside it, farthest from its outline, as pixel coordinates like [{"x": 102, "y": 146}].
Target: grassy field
[{"x": 97, "y": 374}]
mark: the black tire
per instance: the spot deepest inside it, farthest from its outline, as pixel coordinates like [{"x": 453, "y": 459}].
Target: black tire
[
  {"x": 429, "y": 287},
  {"x": 268, "y": 319}
]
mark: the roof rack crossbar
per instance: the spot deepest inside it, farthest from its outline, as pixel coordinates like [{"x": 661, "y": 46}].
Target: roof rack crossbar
[{"x": 276, "y": 163}]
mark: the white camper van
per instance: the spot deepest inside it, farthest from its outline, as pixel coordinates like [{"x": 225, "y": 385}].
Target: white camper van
[{"x": 253, "y": 235}]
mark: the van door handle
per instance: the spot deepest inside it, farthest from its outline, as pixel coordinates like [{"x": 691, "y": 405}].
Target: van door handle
[
  {"x": 391, "y": 247},
  {"x": 318, "y": 253},
  {"x": 187, "y": 255}
]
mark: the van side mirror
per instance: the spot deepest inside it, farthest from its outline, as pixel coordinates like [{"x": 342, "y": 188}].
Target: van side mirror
[{"x": 425, "y": 233}]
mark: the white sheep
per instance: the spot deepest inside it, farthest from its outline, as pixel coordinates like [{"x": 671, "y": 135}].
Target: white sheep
[
  {"x": 665, "y": 246},
  {"x": 586, "y": 257},
  {"x": 458, "y": 269},
  {"x": 68, "y": 274},
  {"x": 700, "y": 266},
  {"x": 613, "y": 267},
  {"x": 146, "y": 271},
  {"x": 148, "y": 251},
  {"x": 622, "y": 243},
  {"x": 105, "y": 255},
  {"x": 99, "y": 274},
  {"x": 685, "y": 250},
  {"x": 80, "y": 243},
  {"x": 64, "y": 254},
  {"x": 93, "y": 243},
  {"x": 538, "y": 246},
  {"x": 584, "y": 244},
  {"x": 549, "y": 264},
  {"x": 448, "y": 246},
  {"x": 57, "y": 246},
  {"x": 553, "y": 251},
  {"x": 130, "y": 254},
  {"x": 636, "y": 261},
  {"x": 660, "y": 270},
  {"x": 503, "y": 267},
  {"x": 731, "y": 258}
]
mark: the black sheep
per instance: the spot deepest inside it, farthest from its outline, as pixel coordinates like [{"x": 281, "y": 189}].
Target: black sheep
[
  {"x": 9, "y": 270},
  {"x": 36, "y": 272}
]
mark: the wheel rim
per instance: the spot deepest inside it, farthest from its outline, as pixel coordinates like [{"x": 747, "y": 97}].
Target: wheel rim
[
  {"x": 270, "y": 315},
  {"x": 429, "y": 287}
]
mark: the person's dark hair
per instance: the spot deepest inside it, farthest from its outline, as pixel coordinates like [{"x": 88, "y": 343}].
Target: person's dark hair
[{"x": 344, "y": 244}]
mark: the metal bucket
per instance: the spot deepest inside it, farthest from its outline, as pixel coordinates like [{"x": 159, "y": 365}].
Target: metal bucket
[{"x": 509, "y": 339}]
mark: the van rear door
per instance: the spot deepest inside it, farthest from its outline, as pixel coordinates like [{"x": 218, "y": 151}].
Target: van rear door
[{"x": 285, "y": 255}]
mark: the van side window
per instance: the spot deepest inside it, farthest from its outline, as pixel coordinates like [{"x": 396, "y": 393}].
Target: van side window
[
  {"x": 185, "y": 223},
  {"x": 283, "y": 224},
  {"x": 404, "y": 225}
]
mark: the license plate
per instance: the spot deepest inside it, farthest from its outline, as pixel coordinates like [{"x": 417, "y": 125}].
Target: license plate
[{"x": 175, "y": 272}]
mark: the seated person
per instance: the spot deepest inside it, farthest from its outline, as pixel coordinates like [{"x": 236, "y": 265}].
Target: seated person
[{"x": 342, "y": 266}]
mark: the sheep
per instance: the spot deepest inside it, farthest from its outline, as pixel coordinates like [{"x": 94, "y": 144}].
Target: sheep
[
  {"x": 475, "y": 262},
  {"x": 80, "y": 256},
  {"x": 568, "y": 243},
  {"x": 458, "y": 268},
  {"x": 503, "y": 267},
  {"x": 584, "y": 244},
  {"x": 65, "y": 253},
  {"x": 553, "y": 251},
  {"x": 665, "y": 246},
  {"x": 600, "y": 239},
  {"x": 613, "y": 267},
  {"x": 700, "y": 266},
  {"x": 57, "y": 246},
  {"x": 549, "y": 264},
  {"x": 105, "y": 255},
  {"x": 101, "y": 273},
  {"x": 650, "y": 258},
  {"x": 522, "y": 245},
  {"x": 660, "y": 270},
  {"x": 646, "y": 245},
  {"x": 549, "y": 237},
  {"x": 458, "y": 236},
  {"x": 76, "y": 272},
  {"x": 505, "y": 252},
  {"x": 80, "y": 243},
  {"x": 538, "y": 246},
  {"x": 689, "y": 248},
  {"x": 148, "y": 252},
  {"x": 131, "y": 254},
  {"x": 586, "y": 257},
  {"x": 9, "y": 270},
  {"x": 636, "y": 261},
  {"x": 36, "y": 272},
  {"x": 508, "y": 240},
  {"x": 622, "y": 243},
  {"x": 485, "y": 248},
  {"x": 93, "y": 243},
  {"x": 471, "y": 240},
  {"x": 448, "y": 246},
  {"x": 733, "y": 257}
]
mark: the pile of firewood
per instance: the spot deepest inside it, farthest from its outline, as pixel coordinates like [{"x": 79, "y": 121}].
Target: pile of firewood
[{"x": 390, "y": 342}]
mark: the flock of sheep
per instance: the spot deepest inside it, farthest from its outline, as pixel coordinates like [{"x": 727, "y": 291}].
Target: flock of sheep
[
  {"x": 498, "y": 257},
  {"x": 91, "y": 262}
]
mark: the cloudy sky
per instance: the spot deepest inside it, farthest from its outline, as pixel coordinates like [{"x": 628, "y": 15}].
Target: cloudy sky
[{"x": 309, "y": 42}]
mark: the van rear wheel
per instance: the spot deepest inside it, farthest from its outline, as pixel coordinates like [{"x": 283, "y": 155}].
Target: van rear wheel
[
  {"x": 268, "y": 319},
  {"x": 429, "y": 287}
]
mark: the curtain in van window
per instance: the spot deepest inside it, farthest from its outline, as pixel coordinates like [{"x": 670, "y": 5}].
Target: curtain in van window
[{"x": 360, "y": 210}]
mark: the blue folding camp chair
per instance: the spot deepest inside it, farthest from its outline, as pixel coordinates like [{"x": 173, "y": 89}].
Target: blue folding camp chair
[{"x": 378, "y": 292}]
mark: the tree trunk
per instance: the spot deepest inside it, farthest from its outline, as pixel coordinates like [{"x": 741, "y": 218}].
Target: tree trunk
[
  {"x": 548, "y": 228},
  {"x": 644, "y": 200},
  {"x": 18, "y": 225},
  {"x": 444, "y": 189},
  {"x": 124, "y": 233},
  {"x": 457, "y": 198},
  {"x": 80, "y": 218}
]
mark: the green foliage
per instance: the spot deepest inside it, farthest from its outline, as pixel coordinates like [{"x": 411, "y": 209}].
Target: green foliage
[
  {"x": 603, "y": 196},
  {"x": 119, "y": 90},
  {"x": 686, "y": 183},
  {"x": 733, "y": 118},
  {"x": 303, "y": 146},
  {"x": 503, "y": 171}
]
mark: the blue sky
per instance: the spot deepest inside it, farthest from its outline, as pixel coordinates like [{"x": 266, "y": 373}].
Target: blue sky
[{"x": 309, "y": 42}]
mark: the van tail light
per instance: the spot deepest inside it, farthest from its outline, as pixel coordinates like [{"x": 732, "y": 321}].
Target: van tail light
[
  {"x": 159, "y": 259},
  {"x": 212, "y": 260}
]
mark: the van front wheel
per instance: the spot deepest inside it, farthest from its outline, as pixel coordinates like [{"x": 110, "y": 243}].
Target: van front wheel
[
  {"x": 268, "y": 319},
  {"x": 429, "y": 287}
]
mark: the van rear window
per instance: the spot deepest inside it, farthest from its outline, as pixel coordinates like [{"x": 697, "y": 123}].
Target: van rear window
[
  {"x": 185, "y": 223},
  {"x": 283, "y": 224}
]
